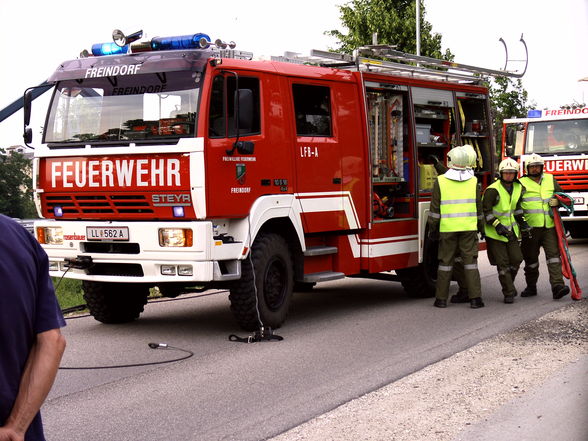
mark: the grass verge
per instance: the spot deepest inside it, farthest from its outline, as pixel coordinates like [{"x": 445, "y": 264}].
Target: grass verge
[{"x": 68, "y": 292}]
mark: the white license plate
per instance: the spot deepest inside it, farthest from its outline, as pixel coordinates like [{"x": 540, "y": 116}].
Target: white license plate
[
  {"x": 107, "y": 233},
  {"x": 578, "y": 201}
]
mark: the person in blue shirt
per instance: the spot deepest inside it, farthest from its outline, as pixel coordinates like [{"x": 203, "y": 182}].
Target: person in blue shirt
[{"x": 31, "y": 343}]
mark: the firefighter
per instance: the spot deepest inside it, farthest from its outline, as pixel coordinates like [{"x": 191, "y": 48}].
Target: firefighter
[
  {"x": 538, "y": 200},
  {"x": 456, "y": 217},
  {"x": 503, "y": 213},
  {"x": 458, "y": 271}
]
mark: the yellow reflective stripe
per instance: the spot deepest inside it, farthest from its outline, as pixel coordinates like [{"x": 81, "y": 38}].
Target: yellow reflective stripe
[
  {"x": 458, "y": 201},
  {"x": 444, "y": 215}
]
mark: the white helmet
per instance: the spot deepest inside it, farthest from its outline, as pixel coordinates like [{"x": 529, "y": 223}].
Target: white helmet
[
  {"x": 458, "y": 158},
  {"x": 534, "y": 159},
  {"x": 472, "y": 155},
  {"x": 508, "y": 165}
]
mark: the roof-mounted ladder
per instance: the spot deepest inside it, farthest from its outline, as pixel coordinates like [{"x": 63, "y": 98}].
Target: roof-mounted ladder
[{"x": 402, "y": 63}]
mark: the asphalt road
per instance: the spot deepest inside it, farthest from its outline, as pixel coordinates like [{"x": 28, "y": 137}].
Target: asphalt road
[{"x": 342, "y": 340}]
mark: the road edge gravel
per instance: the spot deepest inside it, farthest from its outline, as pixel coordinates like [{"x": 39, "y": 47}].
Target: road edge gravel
[{"x": 448, "y": 397}]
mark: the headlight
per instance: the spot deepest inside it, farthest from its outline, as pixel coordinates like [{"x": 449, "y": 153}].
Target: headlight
[
  {"x": 50, "y": 235},
  {"x": 175, "y": 237}
]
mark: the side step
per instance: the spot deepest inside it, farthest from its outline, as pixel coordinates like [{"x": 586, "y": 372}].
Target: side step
[
  {"x": 320, "y": 251},
  {"x": 323, "y": 276}
]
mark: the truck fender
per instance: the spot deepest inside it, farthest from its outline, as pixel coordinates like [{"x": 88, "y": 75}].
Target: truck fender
[{"x": 265, "y": 209}]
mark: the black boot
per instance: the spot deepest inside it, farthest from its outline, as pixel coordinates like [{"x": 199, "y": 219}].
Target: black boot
[
  {"x": 460, "y": 297},
  {"x": 508, "y": 299},
  {"x": 440, "y": 303},
  {"x": 476, "y": 303},
  {"x": 529, "y": 291},
  {"x": 559, "y": 291}
]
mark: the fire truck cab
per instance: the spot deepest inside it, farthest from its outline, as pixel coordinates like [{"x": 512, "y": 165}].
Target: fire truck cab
[
  {"x": 187, "y": 166},
  {"x": 561, "y": 138}
]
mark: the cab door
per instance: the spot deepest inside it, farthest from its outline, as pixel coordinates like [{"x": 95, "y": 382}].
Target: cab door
[{"x": 317, "y": 157}]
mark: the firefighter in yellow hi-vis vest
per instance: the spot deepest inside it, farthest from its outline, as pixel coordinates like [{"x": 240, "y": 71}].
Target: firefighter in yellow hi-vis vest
[
  {"x": 456, "y": 217},
  {"x": 537, "y": 201},
  {"x": 458, "y": 272},
  {"x": 503, "y": 213}
]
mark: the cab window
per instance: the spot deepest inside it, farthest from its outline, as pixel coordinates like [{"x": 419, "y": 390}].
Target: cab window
[
  {"x": 222, "y": 106},
  {"x": 312, "y": 105}
]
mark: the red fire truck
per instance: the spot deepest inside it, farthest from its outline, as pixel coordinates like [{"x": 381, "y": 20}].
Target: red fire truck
[
  {"x": 561, "y": 137},
  {"x": 187, "y": 164}
]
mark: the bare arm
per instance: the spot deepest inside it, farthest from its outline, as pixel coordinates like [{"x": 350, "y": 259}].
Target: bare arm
[{"x": 38, "y": 377}]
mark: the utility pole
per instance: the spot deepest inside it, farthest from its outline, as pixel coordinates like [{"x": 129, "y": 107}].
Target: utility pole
[{"x": 418, "y": 27}]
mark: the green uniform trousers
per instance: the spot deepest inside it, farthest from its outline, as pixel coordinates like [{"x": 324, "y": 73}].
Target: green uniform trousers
[
  {"x": 507, "y": 258},
  {"x": 546, "y": 238},
  {"x": 465, "y": 245}
]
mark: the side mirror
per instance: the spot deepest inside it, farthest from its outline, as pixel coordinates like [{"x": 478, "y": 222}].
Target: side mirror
[
  {"x": 28, "y": 132},
  {"x": 27, "y": 136},
  {"x": 244, "y": 98},
  {"x": 27, "y": 100},
  {"x": 245, "y": 147}
]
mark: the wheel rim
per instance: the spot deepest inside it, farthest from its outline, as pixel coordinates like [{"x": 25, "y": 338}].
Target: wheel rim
[{"x": 274, "y": 284}]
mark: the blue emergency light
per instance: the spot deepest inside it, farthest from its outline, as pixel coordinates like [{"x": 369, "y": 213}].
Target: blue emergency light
[
  {"x": 99, "y": 49},
  {"x": 178, "y": 211},
  {"x": 534, "y": 113},
  {"x": 180, "y": 42},
  {"x": 194, "y": 41}
]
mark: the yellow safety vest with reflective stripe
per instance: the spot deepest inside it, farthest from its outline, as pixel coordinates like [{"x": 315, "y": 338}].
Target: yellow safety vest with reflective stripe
[
  {"x": 536, "y": 200},
  {"x": 504, "y": 210},
  {"x": 458, "y": 205}
]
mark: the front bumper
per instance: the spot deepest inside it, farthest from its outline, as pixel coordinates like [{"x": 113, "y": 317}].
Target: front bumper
[{"x": 141, "y": 259}]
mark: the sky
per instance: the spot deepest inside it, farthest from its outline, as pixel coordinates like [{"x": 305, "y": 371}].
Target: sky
[{"x": 36, "y": 36}]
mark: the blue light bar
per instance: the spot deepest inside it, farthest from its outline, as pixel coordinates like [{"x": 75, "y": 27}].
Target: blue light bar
[
  {"x": 99, "y": 49},
  {"x": 58, "y": 211},
  {"x": 534, "y": 114},
  {"x": 180, "y": 42}
]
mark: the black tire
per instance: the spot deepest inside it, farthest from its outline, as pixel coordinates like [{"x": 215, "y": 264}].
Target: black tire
[
  {"x": 576, "y": 231},
  {"x": 274, "y": 280},
  {"x": 115, "y": 302},
  {"x": 304, "y": 286},
  {"x": 170, "y": 290},
  {"x": 420, "y": 281}
]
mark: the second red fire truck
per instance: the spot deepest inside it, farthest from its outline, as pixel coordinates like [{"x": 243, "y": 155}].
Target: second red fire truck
[
  {"x": 560, "y": 137},
  {"x": 185, "y": 165}
]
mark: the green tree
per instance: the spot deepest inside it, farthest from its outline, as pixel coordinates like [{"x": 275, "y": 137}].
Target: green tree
[
  {"x": 508, "y": 99},
  {"x": 395, "y": 23},
  {"x": 16, "y": 185}
]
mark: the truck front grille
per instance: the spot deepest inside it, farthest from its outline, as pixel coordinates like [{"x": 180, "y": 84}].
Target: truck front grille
[
  {"x": 87, "y": 205},
  {"x": 573, "y": 182}
]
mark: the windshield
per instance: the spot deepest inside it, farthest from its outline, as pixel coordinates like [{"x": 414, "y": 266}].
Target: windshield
[
  {"x": 558, "y": 137},
  {"x": 154, "y": 106}
]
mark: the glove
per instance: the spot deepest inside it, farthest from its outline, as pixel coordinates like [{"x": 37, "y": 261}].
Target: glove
[
  {"x": 433, "y": 159},
  {"x": 554, "y": 202},
  {"x": 433, "y": 234},
  {"x": 525, "y": 229},
  {"x": 502, "y": 230}
]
